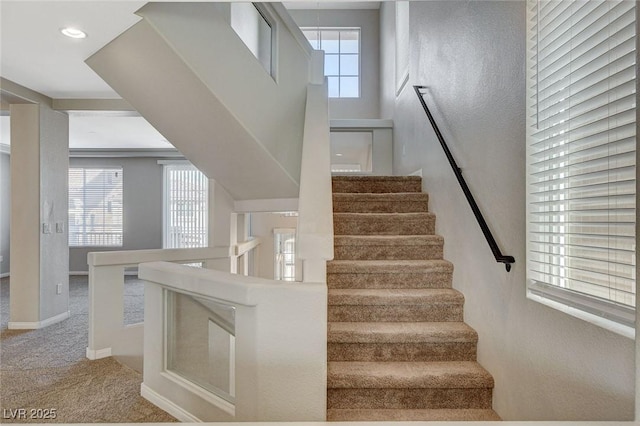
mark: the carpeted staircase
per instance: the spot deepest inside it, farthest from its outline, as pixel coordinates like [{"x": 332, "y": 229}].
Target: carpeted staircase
[{"x": 398, "y": 348}]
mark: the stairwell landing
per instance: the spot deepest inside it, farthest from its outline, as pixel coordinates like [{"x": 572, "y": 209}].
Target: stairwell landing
[{"x": 398, "y": 348}]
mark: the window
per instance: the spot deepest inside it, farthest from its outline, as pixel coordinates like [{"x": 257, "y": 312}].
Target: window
[
  {"x": 250, "y": 22},
  {"x": 341, "y": 58},
  {"x": 95, "y": 207},
  {"x": 285, "y": 254},
  {"x": 581, "y": 156},
  {"x": 402, "y": 45},
  {"x": 185, "y": 206}
]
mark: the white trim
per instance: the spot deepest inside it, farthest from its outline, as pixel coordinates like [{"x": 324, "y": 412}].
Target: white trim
[
  {"x": 124, "y": 152},
  {"x": 98, "y": 354},
  {"x": 86, "y": 273},
  {"x": 405, "y": 80},
  {"x": 599, "y": 321},
  {"x": 176, "y": 162},
  {"x": 5, "y": 274},
  {"x": 168, "y": 406},
  {"x": 245, "y": 246},
  {"x": 199, "y": 391},
  {"x": 39, "y": 324},
  {"x": 360, "y": 123},
  {"x": 266, "y": 205}
]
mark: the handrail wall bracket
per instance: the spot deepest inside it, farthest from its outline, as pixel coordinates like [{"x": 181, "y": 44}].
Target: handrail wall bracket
[{"x": 500, "y": 258}]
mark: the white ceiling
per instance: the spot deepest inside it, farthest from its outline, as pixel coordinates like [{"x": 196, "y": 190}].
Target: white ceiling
[{"x": 34, "y": 54}]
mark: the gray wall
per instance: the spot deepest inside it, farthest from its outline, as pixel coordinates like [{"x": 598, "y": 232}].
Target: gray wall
[
  {"x": 367, "y": 106},
  {"x": 142, "y": 187},
  {"x": 54, "y": 204},
  {"x": 5, "y": 208},
  {"x": 547, "y": 365}
]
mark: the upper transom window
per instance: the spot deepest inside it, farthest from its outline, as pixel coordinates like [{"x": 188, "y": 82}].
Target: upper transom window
[{"x": 341, "y": 58}]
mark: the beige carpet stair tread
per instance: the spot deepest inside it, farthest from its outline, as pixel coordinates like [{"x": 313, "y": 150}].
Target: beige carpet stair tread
[
  {"x": 396, "y": 202},
  {"x": 407, "y": 375},
  {"x": 356, "y": 415},
  {"x": 380, "y": 196},
  {"x": 386, "y": 266},
  {"x": 400, "y": 332},
  {"x": 400, "y": 296},
  {"x": 388, "y": 240},
  {"x": 384, "y": 223},
  {"x": 376, "y": 184},
  {"x": 384, "y": 216}
]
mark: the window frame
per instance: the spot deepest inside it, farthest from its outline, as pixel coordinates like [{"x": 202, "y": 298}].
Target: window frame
[
  {"x": 167, "y": 165},
  {"x": 606, "y": 313},
  {"x": 279, "y": 275},
  {"x": 319, "y": 30},
  {"x": 122, "y": 219}
]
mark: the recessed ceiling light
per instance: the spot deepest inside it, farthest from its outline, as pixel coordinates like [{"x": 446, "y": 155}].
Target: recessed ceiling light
[
  {"x": 73, "y": 32},
  {"x": 338, "y": 155}
]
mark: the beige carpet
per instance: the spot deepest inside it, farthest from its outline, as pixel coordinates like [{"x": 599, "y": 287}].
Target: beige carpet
[
  {"x": 398, "y": 348},
  {"x": 47, "y": 369}
]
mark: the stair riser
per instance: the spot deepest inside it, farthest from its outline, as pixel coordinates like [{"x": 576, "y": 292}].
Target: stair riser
[
  {"x": 461, "y": 414},
  {"x": 380, "y": 207},
  {"x": 377, "y": 186},
  {"x": 395, "y": 313},
  {"x": 390, "y": 280},
  {"x": 444, "y": 351},
  {"x": 399, "y": 252},
  {"x": 384, "y": 226},
  {"x": 436, "y": 398}
]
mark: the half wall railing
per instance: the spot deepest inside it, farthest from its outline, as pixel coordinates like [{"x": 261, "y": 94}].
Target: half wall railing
[{"x": 109, "y": 335}]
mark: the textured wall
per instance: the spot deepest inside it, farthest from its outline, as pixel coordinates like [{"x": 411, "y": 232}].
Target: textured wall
[
  {"x": 142, "y": 192},
  {"x": 54, "y": 208},
  {"x": 367, "y": 106},
  {"x": 547, "y": 365},
  {"x": 5, "y": 208}
]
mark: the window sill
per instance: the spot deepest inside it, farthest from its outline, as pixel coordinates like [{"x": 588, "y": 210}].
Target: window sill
[
  {"x": 96, "y": 247},
  {"x": 609, "y": 325}
]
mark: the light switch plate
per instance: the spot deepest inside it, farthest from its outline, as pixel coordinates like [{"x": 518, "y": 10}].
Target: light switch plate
[
  {"x": 46, "y": 228},
  {"x": 59, "y": 227}
]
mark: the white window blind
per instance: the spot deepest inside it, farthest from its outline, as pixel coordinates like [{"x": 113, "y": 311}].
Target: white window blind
[
  {"x": 95, "y": 207},
  {"x": 581, "y": 155},
  {"x": 185, "y": 206}
]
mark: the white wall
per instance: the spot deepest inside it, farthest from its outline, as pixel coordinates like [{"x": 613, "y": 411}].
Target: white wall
[
  {"x": 262, "y": 225},
  {"x": 5, "y": 207},
  {"x": 367, "y": 106},
  {"x": 387, "y": 58},
  {"x": 547, "y": 365},
  {"x": 142, "y": 204}
]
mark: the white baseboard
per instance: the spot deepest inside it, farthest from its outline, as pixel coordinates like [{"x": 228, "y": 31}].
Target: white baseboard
[
  {"x": 168, "y": 406},
  {"x": 14, "y": 325},
  {"x": 99, "y": 354},
  {"x": 5, "y": 274}
]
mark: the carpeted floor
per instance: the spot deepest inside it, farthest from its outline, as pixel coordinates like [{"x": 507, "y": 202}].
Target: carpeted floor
[{"x": 47, "y": 369}]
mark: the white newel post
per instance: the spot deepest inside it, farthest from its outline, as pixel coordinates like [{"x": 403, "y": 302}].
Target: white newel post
[
  {"x": 315, "y": 221},
  {"x": 106, "y": 308}
]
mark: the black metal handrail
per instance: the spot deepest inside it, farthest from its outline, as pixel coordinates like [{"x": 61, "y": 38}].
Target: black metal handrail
[{"x": 507, "y": 260}]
